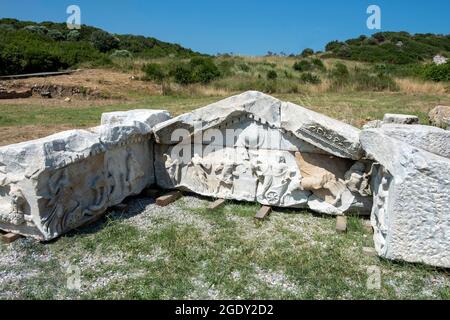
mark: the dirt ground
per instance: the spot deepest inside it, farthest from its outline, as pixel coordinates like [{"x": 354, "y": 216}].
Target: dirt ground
[{"x": 86, "y": 84}]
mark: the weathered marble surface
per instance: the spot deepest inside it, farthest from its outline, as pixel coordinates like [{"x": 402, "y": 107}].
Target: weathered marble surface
[
  {"x": 400, "y": 118},
  {"x": 440, "y": 117},
  {"x": 52, "y": 185},
  {"x": 251, "y": 146},
  {"x": 411, "y": 186}
]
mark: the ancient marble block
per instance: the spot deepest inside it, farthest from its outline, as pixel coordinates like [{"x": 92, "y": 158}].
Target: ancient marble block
[
  {"x": 54, "y": 184},
  {"x": 400, "y": 118},
  {"x": 440, "y": 117},
  {"x": 247, "y": 148},
  {"x": 411, "y": 212},
  {"x": 431, "y": 139}
]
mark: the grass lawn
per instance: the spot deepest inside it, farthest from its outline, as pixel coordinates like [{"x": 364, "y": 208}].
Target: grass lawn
[
  {"x": 185, "y": 251},
  {"x": 351, "y": 107}
]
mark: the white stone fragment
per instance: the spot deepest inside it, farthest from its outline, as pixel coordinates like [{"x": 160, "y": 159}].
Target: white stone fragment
[
  {"x": 54, "y": 184},
  {"x": 411, "y": 212},
  {"x": 400, "y": 118},
  {"x": 431, "y": 139},
  {"x": 245, "y": 148}
]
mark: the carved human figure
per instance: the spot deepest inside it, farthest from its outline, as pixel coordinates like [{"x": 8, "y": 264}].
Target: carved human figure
[
  {"x": 173, "y": 167},
  {"x": 225, "y": 174},
  {"x": 201, "y": 171},
  {"x": 61, "y": 202},
  {"x": 275, "y": 178},
  {"x": 357, "y": 180}
]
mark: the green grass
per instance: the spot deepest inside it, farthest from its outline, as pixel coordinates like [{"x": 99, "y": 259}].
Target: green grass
[
  {"x": 351, "y": 107},
  {"x": 186, "y": 251}
]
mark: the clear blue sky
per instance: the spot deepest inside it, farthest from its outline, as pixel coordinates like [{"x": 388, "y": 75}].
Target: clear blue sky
[{"x": 249, "y": 27}]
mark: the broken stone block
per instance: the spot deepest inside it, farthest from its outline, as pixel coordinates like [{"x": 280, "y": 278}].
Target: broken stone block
[
  {"x": 400, "y": 119},
  {"x": 431, "y": 139},
  {"x": 244, "y": 148},
  {"x": 411, "y": 187},
  {"x": 440, "y": 117},
  {"x": 54, "y": 184}
]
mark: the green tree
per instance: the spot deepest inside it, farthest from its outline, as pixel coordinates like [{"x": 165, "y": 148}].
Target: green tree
[
  {"x": 307, "y": 52},
  {"x": 103, "y": 41}
]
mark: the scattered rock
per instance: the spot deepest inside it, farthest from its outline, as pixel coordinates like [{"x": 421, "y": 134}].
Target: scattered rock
[
  {"x": 438, "y": 59},
  {"x": 400, "y": 119},
  {"x": 440, "y": 117}
]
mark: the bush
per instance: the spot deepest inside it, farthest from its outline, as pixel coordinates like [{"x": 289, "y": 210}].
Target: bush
[
  {"x": 308, "y": 77},
  {"x": 55, "y": 35},
  {"x": 182, "y": 74},
  {"x": 436, "y": 72},
  {"x": 339, "y": 71},
  {"x": 272, "y": 75},
  {"x": 36, "y": 29},
  {"x": 203, "y": 70},
  {"x": 302, "y": 65},
  {"x": 73, "y": 35},
  {"x": 6, "y": 28},
  {"x": 121, "y": 54},
  {"x": 318, "y": 64},
  {"x": 333, "y": 45},
  {"x": 307, "y": 52},
  {"x": 154, "y": 72},
  {"x": 344, "y": 52},
  {"x": 198, "y": 70},
  {"x": 103, "y": 41}
]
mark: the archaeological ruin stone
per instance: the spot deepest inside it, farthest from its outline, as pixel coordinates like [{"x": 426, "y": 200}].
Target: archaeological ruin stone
[
  {"x": 253, "y": 147},
  {"x": 440, "y": 117},
  {"x": 52, "y": 185},
  {"x": 411, "y": 186},
  {"x": 400, "y": 119}
]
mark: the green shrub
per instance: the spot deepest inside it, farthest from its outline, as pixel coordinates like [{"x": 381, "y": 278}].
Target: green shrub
[
  {"x": 333, "y": 45},
  {"x": 339, "y": 71},
  {"x": 198, "y": 70},
  {"x": 318, "y": 64},
  {"x": 302, "y": 65},
  {"x": 436, "y": 72},
  {"x": 121, "y": 54},
  {"x": 73, "y": 35},
  {"x": 308, "y": 77},
  {"x": 307, "y": 52},
  {"x": 182, "y": 74},
  {"x": 103, "y": 41},
  {"x": 36, "y": 29},
  {"x": 204, "y": 70},
  {"x": 272, "y": 75},
  {"x": 244, "y": 67},
  {"x": 154, "y": 72},
  {"x": 6, "y": 28},
  {"x": 55, "y": 35}
]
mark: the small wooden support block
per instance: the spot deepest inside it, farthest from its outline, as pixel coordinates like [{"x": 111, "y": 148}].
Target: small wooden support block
[
  {"x": 216, "y": 204},
  {"x": 168, "y": 198},
  {"x": 263, "y": 213},
  {"x": 10, "y": 237},
  {"x": 341, "y": 224}
]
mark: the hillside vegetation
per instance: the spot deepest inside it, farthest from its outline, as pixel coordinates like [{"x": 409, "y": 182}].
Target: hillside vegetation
[{"x": 38, "y": 47}]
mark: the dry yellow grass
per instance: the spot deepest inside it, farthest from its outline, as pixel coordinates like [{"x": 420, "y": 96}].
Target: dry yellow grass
[{"x": 414, "y": 86}]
